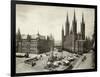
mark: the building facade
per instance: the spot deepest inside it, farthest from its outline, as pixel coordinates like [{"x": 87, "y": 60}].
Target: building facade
[
  {"x": 32, "y": 43},
  {"x": 71, "y": 40}
]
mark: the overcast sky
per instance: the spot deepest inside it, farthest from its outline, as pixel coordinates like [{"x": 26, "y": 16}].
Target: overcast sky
[{"x": 47, "y": 20}]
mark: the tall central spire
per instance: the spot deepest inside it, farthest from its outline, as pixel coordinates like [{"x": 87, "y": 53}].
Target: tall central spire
[
  {"x": 74, "y": 16},
  {"x": 83, "y": 27},
  {"x": 74, "y": 25}
]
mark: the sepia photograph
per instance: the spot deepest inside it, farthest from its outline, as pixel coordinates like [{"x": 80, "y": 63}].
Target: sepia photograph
[{"x": 54, "y": 38}]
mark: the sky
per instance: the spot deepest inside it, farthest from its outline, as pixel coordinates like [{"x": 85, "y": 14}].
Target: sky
[{"x": 47, "y": 20}]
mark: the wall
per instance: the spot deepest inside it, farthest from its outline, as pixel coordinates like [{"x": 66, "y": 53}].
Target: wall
[{"x": 5, "y": 17}]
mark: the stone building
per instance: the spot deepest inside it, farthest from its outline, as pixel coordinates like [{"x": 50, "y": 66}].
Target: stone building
[
  {"x": 71, "y": 40},
  {"x": 32, "y": 43}
]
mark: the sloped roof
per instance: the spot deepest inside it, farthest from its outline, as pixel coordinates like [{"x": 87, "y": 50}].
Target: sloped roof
[{"x": 33, "y": 36}]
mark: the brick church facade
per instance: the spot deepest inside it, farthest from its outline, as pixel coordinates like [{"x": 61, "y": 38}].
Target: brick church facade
[{"x": 71, "y": 40}]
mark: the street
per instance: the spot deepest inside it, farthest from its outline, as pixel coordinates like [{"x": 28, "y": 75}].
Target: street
[
  {"x": 86, "y": 64},
  {"x": 22, "y": 67}
]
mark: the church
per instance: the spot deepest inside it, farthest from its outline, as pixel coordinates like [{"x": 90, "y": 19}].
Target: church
[{"x": 72, "y": 40}]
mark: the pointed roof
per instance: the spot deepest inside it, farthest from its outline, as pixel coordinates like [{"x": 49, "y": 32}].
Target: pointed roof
[
  {"x": 67, "y": 18},
  {"x": 74, "y": 15},
  {"x": 82, "y": 17},
  {"x": 62, "y": 30}
]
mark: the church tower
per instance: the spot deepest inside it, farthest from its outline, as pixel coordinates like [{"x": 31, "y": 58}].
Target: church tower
[
  {"x": 62, "y": 37},
  {"x": 74, "y": 32},
  {"x": 83, "y": 28},
  {"x": 74, "y": 25},
  {"x": 67, "y": 26}
]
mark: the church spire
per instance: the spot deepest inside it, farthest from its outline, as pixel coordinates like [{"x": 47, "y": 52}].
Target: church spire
[
  {"x": 62, "y": 31},
  {"x": 67, "y": 18},
  {"x": 67, "y": 25},
  {"x": 74, "y": 16},
  {"x": 83, "y": 27},
  {"x": 82, "y": 18},
  {"x": 74, "y": 24},
  {"x": 62, "y": 36}
]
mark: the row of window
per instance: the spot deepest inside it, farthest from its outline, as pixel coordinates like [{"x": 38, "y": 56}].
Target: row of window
[
  {"x": 31, "y": 47},
  {"x": 29, "y": 43}
]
